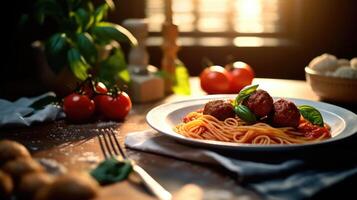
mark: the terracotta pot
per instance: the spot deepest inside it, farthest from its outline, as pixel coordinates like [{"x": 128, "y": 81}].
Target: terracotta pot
[{"x": 63, "y": 82}]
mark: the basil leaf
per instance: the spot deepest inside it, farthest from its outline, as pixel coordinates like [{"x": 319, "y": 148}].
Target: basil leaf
[
  {"x": 77, "y": 64},
  {"x": 86, "y": 47},
  {"x": 111, "y": 4},
  {"x": 47, "y": 8},
  {"x": 111, "y": 171},
  {"x": 114, "y": 68},
  {"x": 56, "y": 43},
  {"x": 244, "y": 113},
  {"x": 56, "y": 51},
  {"x": 245, "y": 92},
  {"x": 108, "y": 31},
  {"x": 101, "y": 12},
  {"x": 311, "y": 114},
  {"x": 85, "y": 20}
]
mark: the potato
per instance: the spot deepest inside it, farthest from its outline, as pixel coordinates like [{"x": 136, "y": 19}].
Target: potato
[
  {"x": 19, "y": 167},
  {"x": 11, "y": 150},
  {"x": 189, "y": 191},
  {"x": 70, "y": 187},
  {"x": 31, "y": 183},
  {"x": 6, "y": 185}
]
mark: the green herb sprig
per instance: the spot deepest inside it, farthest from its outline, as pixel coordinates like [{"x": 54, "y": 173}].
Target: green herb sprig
[
  {"x": 245, "y": 93},
  {"x": 311, "y": 114},
  {"x": 241, "y": 110}
]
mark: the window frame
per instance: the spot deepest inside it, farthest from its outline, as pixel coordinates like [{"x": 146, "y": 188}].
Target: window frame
[{"x": 288, "y": 11}]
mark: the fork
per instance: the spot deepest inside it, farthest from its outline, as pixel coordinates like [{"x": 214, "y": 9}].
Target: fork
[{"x": 111, "y": 148}]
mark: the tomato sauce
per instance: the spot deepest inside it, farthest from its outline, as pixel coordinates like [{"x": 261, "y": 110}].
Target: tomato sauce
[{"x": 313, "y": 131}]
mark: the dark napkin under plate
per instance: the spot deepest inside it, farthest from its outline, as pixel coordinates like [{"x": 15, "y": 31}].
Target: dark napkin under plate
[{"x": 292, "y": 177}]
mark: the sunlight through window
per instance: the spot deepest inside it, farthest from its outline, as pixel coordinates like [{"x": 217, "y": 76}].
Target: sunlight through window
[{"x": 205, "y": 16}]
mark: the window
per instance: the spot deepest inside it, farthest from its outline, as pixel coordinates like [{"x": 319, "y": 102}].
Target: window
[{"x": 213, "y": 17}]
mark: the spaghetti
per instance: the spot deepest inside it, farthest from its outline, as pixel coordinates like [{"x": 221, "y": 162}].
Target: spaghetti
[{"x": 199, "y": 126}]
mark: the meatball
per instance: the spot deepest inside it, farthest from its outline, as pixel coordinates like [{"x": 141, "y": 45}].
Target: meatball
[
  {"x": 219, "y": 109},
  {"x": 285, "y": 114},
  {"x": 260, "y": 103}
]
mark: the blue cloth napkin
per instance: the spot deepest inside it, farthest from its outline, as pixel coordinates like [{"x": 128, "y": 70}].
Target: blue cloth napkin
[
  {"x": 20, "y": 113},
  {"x": 285, "y": 179}
]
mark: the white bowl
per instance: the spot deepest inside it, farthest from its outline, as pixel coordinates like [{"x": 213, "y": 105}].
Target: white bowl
[{"x": 332, "y": 88}]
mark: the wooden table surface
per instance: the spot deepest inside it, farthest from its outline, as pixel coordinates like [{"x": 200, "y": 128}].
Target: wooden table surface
[{"x": 77, "y": 148}]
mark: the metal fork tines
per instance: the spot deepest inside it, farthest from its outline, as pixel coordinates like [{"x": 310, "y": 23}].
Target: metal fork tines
[
  {"x": 111, "y": 148},
  {"x": 110, "y": 145}
]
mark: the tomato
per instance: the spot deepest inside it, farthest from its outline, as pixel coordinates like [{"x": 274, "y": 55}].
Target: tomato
[
  {"x": 215, "y": 80},
  {"x": 78, "y": 107},
  {"x": 114, "y": 107},
  {"x": 242, "y": 75},
  {"x": 99, "y": 88}
]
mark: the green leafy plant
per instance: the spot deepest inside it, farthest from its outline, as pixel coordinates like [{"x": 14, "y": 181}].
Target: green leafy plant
[{"x": 81, "y": 34}]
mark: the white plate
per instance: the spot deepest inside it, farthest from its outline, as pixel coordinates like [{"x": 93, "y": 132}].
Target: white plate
[{"x": 164, "y": 117}]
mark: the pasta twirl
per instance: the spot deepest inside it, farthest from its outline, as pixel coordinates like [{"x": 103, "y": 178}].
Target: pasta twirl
[{"x": 207, "y": 127}]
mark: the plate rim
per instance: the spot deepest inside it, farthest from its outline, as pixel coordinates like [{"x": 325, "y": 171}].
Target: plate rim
[{"x": 250, "y": 147}]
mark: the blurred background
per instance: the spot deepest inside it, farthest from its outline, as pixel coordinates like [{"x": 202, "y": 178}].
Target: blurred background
[{"x": 277, "y": 38}]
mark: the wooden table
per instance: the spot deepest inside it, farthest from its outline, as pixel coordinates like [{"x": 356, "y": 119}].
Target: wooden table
[{"x": 77, "y": 147}]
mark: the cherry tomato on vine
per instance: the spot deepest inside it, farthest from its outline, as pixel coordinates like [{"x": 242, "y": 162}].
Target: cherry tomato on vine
[
  {"x": 215, "y": 80},
  {"x": 99, "y": 88},
  {"x": 114, "y": 107},
  {"x": 78, "y": 107},
  {"x": 242, "y": 75}
]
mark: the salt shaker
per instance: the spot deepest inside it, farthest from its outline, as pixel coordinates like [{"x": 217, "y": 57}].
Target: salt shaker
[{"x": 145, "y": 86}]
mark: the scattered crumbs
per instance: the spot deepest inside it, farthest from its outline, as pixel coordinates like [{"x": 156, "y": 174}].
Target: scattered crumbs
[
  {"x": 89, "y": 157},
  {"x": 106, "y": 124},
  {"x": 91, "y": 141},
  {"x": 33, "y": 148},
  {"x": 87, "y": 153}
]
